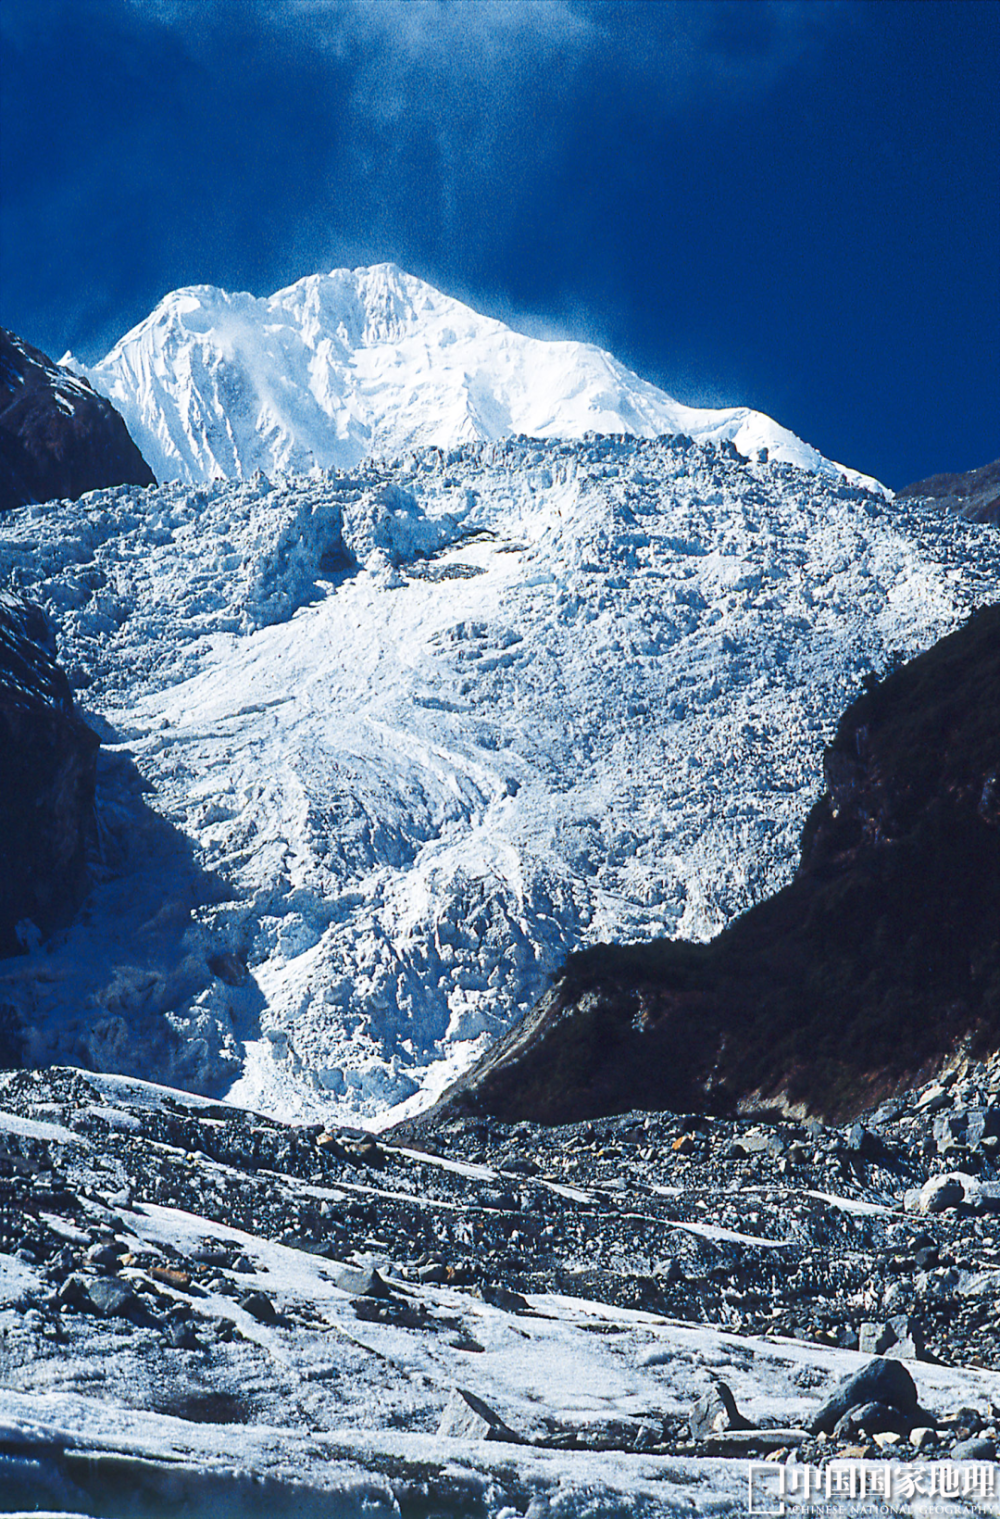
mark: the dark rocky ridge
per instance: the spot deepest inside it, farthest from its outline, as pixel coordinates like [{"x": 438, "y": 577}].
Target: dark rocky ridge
[
  {"x": 975, "y": 494},
  {"x": 864, "y": 974},
  {"x": 47, "y": 775},
  {"x": 58, "y": 437}
]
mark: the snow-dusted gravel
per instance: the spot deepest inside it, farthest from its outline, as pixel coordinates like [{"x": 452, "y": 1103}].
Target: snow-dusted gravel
[
  {"x": 381, "y": 746},
  {"x": 205, "y": 1312}
]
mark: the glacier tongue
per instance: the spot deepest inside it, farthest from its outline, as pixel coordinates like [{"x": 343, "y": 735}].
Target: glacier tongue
[
  {"x": 382, "y": 745},
  {"x": 372, "y": 361}
]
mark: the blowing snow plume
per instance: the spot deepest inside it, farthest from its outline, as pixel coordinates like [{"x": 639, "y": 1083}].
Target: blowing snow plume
[{"x": 371, "y": 362}]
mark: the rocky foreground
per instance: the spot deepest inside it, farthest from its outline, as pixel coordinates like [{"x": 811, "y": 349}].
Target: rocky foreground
[{"x": 204, "y": 1310}]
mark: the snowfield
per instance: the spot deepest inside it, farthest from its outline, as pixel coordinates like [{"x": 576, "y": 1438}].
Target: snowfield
[
  {"x": 357, "y": 362},
  {"x": 588, "y": 1363},
  {"x": 381, "y": 745}
]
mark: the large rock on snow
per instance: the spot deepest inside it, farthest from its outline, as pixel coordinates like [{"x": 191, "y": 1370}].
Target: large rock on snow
[
  {"x": 881, "y": 1381},
  {"x": 716, "y": 1413},
  {"x": 47, "y": 769},
  {"x": 467, "y": 1417},
  {"x": 865, "y": 971},
  {"x": 58, "y": 437}
]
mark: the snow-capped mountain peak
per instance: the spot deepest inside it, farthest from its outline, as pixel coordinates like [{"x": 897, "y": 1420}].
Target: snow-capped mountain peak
[{"x": 373, "y": 361}]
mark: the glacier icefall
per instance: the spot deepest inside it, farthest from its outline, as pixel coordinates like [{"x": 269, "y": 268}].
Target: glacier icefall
[{"x": 397, "y": 738}]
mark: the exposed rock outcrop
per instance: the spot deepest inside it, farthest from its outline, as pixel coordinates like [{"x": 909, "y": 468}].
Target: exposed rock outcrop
[
  {"x": 58, "y": 437},
  {"x": 863, "y": 974},
  {"x": 47, "y": 771},
  {"x": 976, "y": 494}
]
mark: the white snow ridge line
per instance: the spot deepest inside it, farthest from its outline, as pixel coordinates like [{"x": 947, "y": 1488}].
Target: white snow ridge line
[{"x": 373, "y": 362}]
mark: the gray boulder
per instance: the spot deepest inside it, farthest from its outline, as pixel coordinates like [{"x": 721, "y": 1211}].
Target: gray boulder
[
  {"x": 987, "y": 1197},
  {"x": 109, "y": 1296},
  {"x": 499, "y": 1296},
  {"x": 881, "y": 1381},
  {"x": 715, "y": 1414},
  {"x": 899, "y": 1338},
  {"x": 978, "y": 1448},
  {"x": 361, "y": 1281},
  {"x": 966, "y": 1128},
  {"x": 939, "y": 1193},
  {"x": 874, "y": 1419},
  {"x": 467, "y": 1417},
  {"x": 982, "y": 1123},
  {"x": 260, "y": 1307}
]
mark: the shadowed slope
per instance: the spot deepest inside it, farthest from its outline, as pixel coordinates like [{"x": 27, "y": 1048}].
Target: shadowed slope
[
  {"x": 47, "y": 767},
  {"x": 880, "y": 956},
  {"x": 975, "y": 495},
  {"x": 58, "y": 437}
]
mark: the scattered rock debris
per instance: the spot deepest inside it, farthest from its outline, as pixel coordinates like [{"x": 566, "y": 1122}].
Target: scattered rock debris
[{"x": 146, "y": 1248}]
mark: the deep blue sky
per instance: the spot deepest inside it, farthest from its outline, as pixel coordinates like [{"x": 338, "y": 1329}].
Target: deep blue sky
[{"x": 790, "y": 205}]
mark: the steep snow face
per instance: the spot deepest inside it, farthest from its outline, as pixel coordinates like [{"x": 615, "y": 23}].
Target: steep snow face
[
  {"x": 382, "y": 745},
  {"x": 363, "y": 362}
]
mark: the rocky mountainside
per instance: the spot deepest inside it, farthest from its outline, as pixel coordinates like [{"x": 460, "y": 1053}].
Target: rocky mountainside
[
  {"x": 976, "y": 494},
  {"x": 872, "y": 966},
  {"x": 58, "y": 437},
  {"x": 203, "y": 1310},
  {"x": 363, "y": 363},
  {"x": 47, "y": 771},
  {"x": 382, "y": 746}
]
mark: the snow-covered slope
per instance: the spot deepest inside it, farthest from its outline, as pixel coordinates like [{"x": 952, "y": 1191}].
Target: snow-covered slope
[
  {"x": 364, "y": 362},
  {"x": 381, "y": 746}
]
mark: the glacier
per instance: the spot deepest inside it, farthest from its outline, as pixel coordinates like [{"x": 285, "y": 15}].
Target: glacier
[
  {"x": 382, "y": 743},
  {"x": 367, "y": 362}
]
